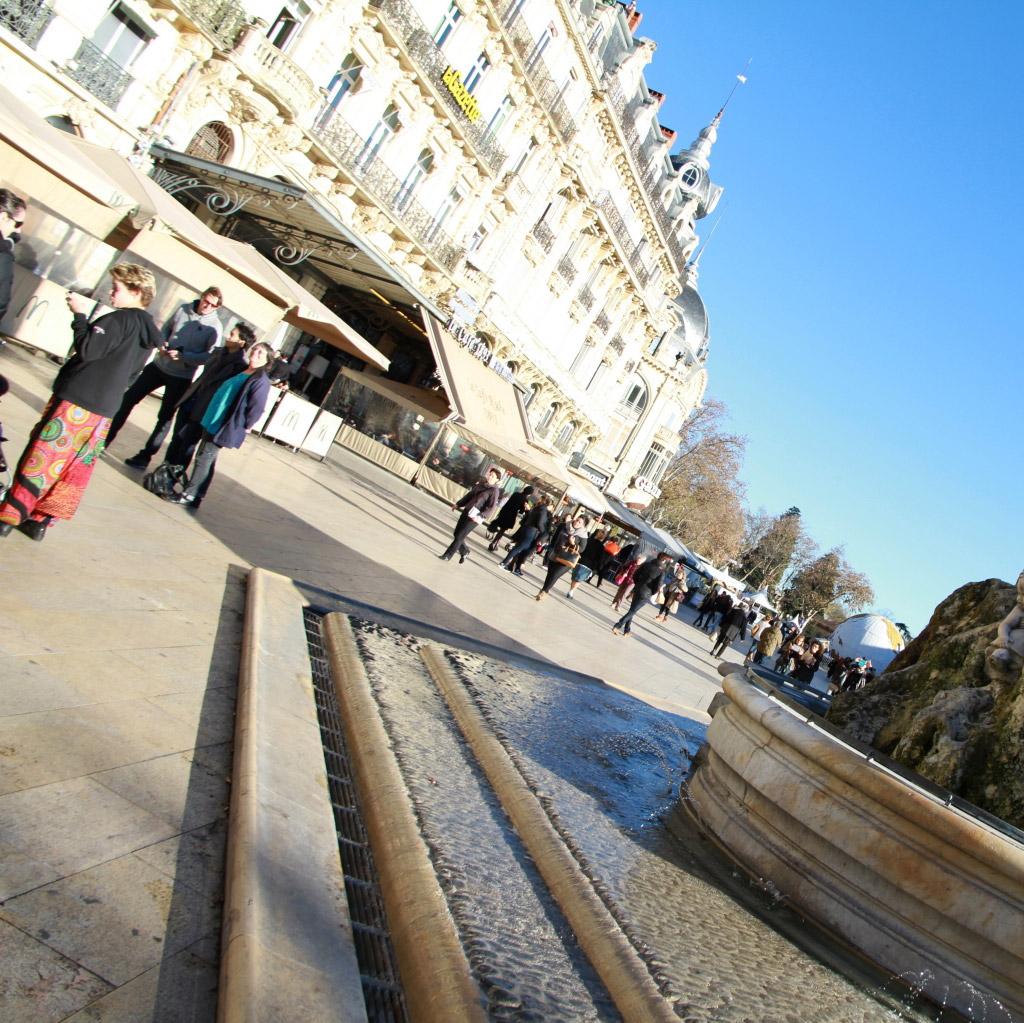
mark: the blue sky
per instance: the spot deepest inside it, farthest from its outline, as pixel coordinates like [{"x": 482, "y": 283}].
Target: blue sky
[{"x": 860, "y": 288}]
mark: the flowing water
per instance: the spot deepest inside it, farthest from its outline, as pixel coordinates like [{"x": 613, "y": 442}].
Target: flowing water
[{"x": 607, "y": 769}]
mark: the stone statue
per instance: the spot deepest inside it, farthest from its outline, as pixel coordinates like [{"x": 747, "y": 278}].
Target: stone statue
[{"x": 1005, "y": 657}]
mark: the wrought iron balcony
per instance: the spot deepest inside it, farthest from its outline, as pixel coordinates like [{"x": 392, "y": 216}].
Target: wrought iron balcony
[
  {"x": 566, "y": 269},
  {"x": 410, "y": 30},
  {"x": 544, "y": 235},
  {"x": 617, "y": 345},
  {"x": 277, "y": 75},
  {"x": 607, "y": 206},
  {"x": 95, "y": 71},
  {"x": 223, "y": 19},
  {"x": 564, "y": 446},
  {"x": 585, "y": 298},
  {"x": 650, "y": 179},
  {"x": 537, "y": 72},
  {"x": 602, "y": 322},
  {"x": 27, "y": 19},
  {"x": 354, "y": 153}
]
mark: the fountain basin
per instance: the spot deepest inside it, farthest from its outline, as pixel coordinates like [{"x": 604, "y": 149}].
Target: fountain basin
[{"x": 918, "y": 886}]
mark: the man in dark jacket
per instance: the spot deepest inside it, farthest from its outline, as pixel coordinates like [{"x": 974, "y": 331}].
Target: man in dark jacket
[
  {"x": 478, "y": 503},
  {"x": 508, "y": 516},
  {"x": 734, "y": 623},
  {"x": 190, "y": 335},
  {"x": 721, "y": 607},
  {"x": 535, "y": 524},
  {"x": 646, "y": 582},
  {"x": 12, "y": 215}
]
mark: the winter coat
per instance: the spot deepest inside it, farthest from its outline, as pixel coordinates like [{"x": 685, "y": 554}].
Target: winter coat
[
  {"x": 482, "y": 496},
  {"x": 193, "y": 336},
  {"x": 105, "y": 354},
  {"x": 245, "y": 410},
  {"x": 648, "y": 577},
  {"x": 770, "y": 640},
  {"x": 6, "y": 273}
]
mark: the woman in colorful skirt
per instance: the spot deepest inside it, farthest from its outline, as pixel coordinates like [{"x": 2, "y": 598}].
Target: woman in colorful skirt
[{"x": 62, "y": 450}]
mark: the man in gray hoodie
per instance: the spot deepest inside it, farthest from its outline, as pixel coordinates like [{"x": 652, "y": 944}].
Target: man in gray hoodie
[{"x": 190, "y": 335}]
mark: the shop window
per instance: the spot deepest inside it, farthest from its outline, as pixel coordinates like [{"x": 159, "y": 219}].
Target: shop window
[{"x": 212, "y": 142}]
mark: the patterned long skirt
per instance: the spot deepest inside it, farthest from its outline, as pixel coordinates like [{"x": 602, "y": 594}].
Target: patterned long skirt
[{"x": 57, "y": 464}]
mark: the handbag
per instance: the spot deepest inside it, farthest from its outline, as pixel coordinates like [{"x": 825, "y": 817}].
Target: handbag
[{"x": 566, "y": 554}]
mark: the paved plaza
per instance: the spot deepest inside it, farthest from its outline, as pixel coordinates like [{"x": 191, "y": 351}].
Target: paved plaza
[{"x": 119, "y": 645}]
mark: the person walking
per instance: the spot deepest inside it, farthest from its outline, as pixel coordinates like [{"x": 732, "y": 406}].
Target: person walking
[
  {"x": 66, "y": 442},
  {"x": 733, "y": 624},
  {"x": 567, "y": 541},
  {"x": 12, "y": 216},
  {"x": 721, "y": 607},
  {"x": 675, "y": 591},
  {"x": 706, "y": 607},
  {"x": 189, "y": 337},
  {"x": 232, "y": 411},
  {"x": 476, "y": 505},
  {"x": 624, "y": 579},
  {"x": 646, "y": 582},
  {"x": 508, "y": 516},
  {"x": 592, "y": 554},
  {"x": 535, "y": 524},
  {"x": 769, "y": 641}
]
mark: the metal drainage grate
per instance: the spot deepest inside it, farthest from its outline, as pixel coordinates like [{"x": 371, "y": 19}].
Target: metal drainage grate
[{"x": 382, "y": 990}]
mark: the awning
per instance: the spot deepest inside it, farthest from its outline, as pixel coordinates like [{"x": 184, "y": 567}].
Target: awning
[
  {"x": 305, "y": 312},
  {"x": 291, "y": 216},
  {"x": 428, "y": 404},
  {"x": 487, "y": 408},
  {"x": 647, "y": 534},
  {"x": 41, "y": 164},
  {"x": 582, "y": 491}
]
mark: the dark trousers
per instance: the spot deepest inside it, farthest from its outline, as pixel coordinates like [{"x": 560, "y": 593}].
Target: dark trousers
[
  {"x": 640, "y": 597},
  {"x": 184, "y": 440},
  {"x": 145, "y": 383},
  {"x": 202, "y": 468},
  {"x": 463, "y": 528},
  {"x": 555, "y": 572},
  {"x": 529, "y": 537}
]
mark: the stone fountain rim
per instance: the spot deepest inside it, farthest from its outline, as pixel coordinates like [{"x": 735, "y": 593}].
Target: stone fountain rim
[{"x": 993, "y": 846}]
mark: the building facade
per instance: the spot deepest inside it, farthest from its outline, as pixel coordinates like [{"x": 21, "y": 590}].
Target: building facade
[{"x": 499, "y": 163}]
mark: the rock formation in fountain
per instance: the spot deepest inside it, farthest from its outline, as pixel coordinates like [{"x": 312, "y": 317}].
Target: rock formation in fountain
[{"x": 951, "y": 705}]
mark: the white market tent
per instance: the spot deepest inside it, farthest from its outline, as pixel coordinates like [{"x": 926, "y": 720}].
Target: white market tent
[{"x": 870, "y": 636}]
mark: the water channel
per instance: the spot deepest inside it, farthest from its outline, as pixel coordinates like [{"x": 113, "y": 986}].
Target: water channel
[{"x": 607, "y": 768}]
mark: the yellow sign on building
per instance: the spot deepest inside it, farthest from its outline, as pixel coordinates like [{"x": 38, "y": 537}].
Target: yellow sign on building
[{"x": 453, "y": 79}]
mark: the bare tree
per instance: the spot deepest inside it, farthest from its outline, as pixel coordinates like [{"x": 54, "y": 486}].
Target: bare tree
[{"x": 829, "y": 586}]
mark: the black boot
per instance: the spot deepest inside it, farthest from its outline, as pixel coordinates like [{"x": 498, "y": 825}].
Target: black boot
[{"x": 34, "y": 529}]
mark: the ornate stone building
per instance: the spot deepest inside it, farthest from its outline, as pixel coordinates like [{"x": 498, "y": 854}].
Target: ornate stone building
[{"x": 497, "y": 163}]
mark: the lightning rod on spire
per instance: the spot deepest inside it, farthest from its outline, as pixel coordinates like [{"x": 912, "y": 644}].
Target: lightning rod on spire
[{"x": 740, "y": 80}]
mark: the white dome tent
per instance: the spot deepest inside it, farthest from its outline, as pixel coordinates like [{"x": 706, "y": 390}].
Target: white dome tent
[{"x": 870, "y": 636}]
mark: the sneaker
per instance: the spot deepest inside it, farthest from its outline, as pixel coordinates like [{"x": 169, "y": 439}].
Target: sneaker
[
  {"x": 139, "y": 461},
  {"x": 569, "y": 596},
  {"x": 516, "y": 571}
]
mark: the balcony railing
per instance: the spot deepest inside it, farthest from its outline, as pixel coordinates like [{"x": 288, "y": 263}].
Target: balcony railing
[
  {"x": 566, "y": 269},
  {"x": 223, "y": 19},
  {"x": 585, "y": 298},
  {"x": 602, "y": 322},
  {"x": 409, "y": 28},
  {"x": 564, "y": 446},
  {"x": 650, "y": 177},
  {"x": 95, "y": 71},
  {"x": 26, "y": 19},
  {"x": 353, "y": 152},
  {"x": 276, "y": 73},
  {"x": 544, "y": 235},
  {"x": 607, "y": 206},
  {"x": 537, "y": 72},
  {"x": 617, "y": 345}
]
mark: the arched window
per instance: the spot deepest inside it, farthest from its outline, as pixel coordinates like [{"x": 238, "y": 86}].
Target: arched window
[
  {"x": 383, "y": 130},
  {"x": 549, "y": 414},
  {"x": 530, "y": 395},
  {"x": 345, "y": 82},
  {"x": 212, "y": 142},
  {"x": 655, "y": 463},
  {"x": 634, "y": 401},
  {"x": 564, "y": 437},
  {"x": 420, "y": 169}
]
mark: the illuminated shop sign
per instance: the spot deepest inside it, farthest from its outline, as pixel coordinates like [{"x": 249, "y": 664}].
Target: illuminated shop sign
[
  {"x": 478, "y": 347},
  {"x": 453, "y": 80},
  {"x": 644, "y": 484}
]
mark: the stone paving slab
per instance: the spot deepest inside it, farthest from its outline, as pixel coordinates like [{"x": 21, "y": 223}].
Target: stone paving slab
[{"x": 119, "y": 644}]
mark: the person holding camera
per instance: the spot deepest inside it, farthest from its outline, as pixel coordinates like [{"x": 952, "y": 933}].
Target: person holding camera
[{"x": 477, "y": 504}]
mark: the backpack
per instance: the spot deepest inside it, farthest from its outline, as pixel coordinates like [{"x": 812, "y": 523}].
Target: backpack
[{"x": 162, "y": 479}]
